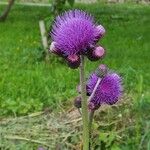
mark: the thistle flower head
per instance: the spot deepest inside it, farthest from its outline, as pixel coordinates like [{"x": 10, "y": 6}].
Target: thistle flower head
[
  {"x": 108, "y": 91},
  {"x": 74, "y": 32}
]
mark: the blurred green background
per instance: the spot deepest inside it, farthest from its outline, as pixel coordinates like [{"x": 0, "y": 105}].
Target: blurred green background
[{"x": 29, "y": 84}]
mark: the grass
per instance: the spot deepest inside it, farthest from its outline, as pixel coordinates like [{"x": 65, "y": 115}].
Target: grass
[{"x": 28, "y": 84}]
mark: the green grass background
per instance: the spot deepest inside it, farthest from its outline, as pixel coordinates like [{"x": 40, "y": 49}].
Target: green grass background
[{"x": 28, "y": 84}]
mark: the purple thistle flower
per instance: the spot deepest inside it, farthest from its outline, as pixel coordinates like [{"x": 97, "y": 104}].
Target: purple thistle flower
[
  {"x": 108, "y": 91},
  {"x": 74, "y": 32}
]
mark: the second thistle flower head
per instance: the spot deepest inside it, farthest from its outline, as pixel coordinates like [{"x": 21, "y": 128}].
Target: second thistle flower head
[
  {"x": 108, "y": 91},
  {"x": 74, "y": 33}
]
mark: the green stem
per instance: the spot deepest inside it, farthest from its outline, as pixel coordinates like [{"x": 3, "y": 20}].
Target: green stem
[
  {"x": 84, "y": 107},
  {"x": 91, "y": 115}
]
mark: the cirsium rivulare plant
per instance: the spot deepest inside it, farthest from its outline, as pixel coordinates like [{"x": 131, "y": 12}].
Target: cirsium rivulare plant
[{"x": 75, "y": 35}]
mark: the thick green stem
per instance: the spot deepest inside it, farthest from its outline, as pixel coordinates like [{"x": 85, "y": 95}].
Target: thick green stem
[
  {"x": 91, "y": 115},
  {"x": 84, "y": 107}
]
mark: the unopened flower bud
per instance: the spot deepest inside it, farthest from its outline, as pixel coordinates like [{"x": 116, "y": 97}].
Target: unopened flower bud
[
  {"x": 101, "y": 70},
  {"x": 73, "y": 61},
  {"x": 52, "y": 47},
  {"x": 77, "y": 102},
  {"x": 92, "y": 106},
  {"x": 97, "y": 53},
  {"x": 55, "y": 50},
  {"x": 100, "y": 32}
]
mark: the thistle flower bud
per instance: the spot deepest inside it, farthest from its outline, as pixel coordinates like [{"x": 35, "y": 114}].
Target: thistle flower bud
[
  {"x": 93, "y": 106},
  {"x": 100, "y": 32},
  {"x": 54, "y": 50},
  {"x": 52, "y": 47},
  {"x": 101, "y": 70},
  {"x": 79, "y": 89},
  {"x": 77, "y": 102},
  {"x": 97, "y": 53},
  {"x": 73, "y": 61}
]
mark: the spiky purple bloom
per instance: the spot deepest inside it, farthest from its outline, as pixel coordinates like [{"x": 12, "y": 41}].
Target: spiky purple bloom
[
  {"x": 108, "y": 91},
  {"x": 74, "y": 32}
]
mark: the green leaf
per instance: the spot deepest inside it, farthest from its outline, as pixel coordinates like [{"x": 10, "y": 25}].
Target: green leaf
[
  {"x": 115, "y": 147},
  {"x": 103, "y": 137},
  {"x": 71, "y": 2}
]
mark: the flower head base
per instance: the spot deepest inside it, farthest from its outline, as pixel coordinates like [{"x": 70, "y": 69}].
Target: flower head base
[
  {"x": 73, "y": 61},
  {"x": 74, "y": 32},
  {"x": 108, "y": 91}
]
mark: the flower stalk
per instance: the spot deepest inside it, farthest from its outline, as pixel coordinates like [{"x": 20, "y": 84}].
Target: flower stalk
[
  {"x": 75, "y": 35},
  {"x": 84, "y": 107},
  {"x": 91, "y": 116}
]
